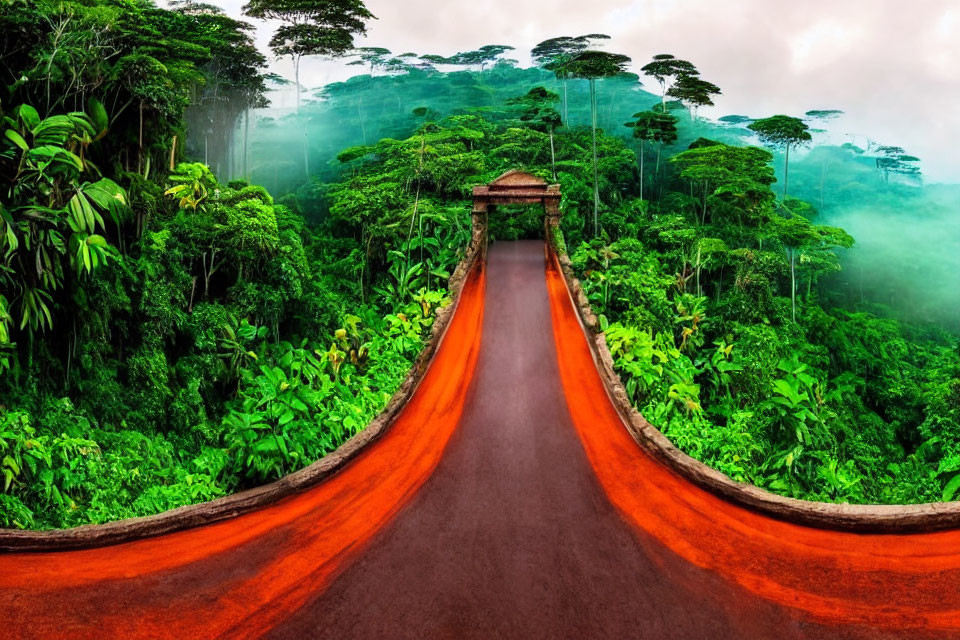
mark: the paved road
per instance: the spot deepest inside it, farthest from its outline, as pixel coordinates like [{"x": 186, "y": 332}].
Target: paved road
[
  {"x": 507, "y": 502},
  {"x": 513, "y": 536}
]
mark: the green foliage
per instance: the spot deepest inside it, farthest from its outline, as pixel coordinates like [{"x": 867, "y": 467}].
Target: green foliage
[
  {"x": 209, "y": 337},
  {"x": 694, "y": 91},
  {"x": 701, "y": 296},
  {"x": 781, "y": 131},
  {"x": 665, "y": 67},
  {"x": 213, "y": 402},
  {"x": 54, "y": 211},
  {"x": 654, "y": 126}
]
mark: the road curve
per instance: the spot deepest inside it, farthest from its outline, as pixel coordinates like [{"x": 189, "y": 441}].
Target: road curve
[{"x": 507, "y": 500}]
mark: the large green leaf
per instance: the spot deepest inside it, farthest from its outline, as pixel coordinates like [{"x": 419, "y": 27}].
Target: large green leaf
[
  {"x": 55, "y": 153},
  {"x": 83, "y": 217},
  {"x": 27, "y": 115},
  {"x": 950, "y": 489},
  {"x": 98, "y": 116},
  {"x": 17, "y": 139},
  {"x": 55, "y": 130}
]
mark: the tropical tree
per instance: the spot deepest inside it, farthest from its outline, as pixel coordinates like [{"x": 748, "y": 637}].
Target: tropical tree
[
  {"x": 653, "y": 126},
  {"x": 373, "y": 57},
  {"x": 892, "y": 159},
  {"x": 592, "y": 65},
  {"x": 479, "y": 58},
  {"x": 694, "y": 92},
  {"x": 794, "y": 234},
  {"x": 233, "y": 85},
  {"x": 782, "y": 132},
  {"x": 483, "y": 56},
  {"x": 554, "y": 54},
  {"x": 665, "y": 67},
  {"x": 537, "y": 111},
  {"x": 799, "y": 238},
  {"x": 733, "y": 181},
  {"x": 311, "y": 27},
  {"x": 823, "y": 115}
]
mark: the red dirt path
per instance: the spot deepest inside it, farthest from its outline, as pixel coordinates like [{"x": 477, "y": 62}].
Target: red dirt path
[{"x": 507, "y": 501}]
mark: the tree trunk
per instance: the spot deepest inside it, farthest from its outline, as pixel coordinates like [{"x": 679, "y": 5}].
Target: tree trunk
[
  {"x": 306, "y": 133},
  {"x": 230, "y": 151},
  {"x": 296, "y": 78},
  {"x": 566, "y": 114},
  {"x": 553, "y": 156},
  {"x": 596, "y": 178},
  {"x": 793, "y": 284},
  {"x": 246, "y": 142},
  {"x": 208, "y": 271},
  {"x": 699, "y": 291},
  {"x": 703, "y": 219},
  {"x": 786, "y": 173},
  {"x": 641, "y": 168},
  {"x": 416, "y": 201},
  {"x": 306, "y": 154},
  {"x": 193, "y": 290}
]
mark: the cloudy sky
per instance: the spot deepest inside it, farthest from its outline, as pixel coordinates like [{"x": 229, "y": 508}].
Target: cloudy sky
[{"x": 893, "y": 66}]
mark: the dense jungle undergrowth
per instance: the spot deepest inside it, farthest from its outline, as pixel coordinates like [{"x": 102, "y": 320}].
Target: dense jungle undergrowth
[{"x": 170, "y": 332}]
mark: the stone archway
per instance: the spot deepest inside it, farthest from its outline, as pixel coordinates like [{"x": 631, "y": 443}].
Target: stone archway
[{"x": 515, "y": 187}]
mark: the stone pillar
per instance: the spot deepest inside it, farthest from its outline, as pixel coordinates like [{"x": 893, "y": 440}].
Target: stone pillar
[
  {"x": 551, "y": 220},
  {"x": 478, "y": 225}
]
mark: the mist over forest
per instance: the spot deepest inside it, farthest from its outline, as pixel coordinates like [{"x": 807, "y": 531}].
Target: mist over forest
[{"x": 907, "y": 232}]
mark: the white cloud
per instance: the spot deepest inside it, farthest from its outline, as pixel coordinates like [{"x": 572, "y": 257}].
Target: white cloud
[{"x": 826, "y": 42}]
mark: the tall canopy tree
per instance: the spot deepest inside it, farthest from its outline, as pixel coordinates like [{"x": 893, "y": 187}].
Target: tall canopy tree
[
  {"x": 694, "y": 92},
  {"x": 799, "y": 237},
  {"x": 734, "y": 182},
  {"x": 823, "y": 116},
  {"x": 782, "y": 132},
  {"x": 234, "y": 84},
  {"x": 373, "y": 57},
  {"x": 485, "y": 55},
  {"x": 554, "y": 54},
  {"x": 592, "y": 65},
  {"x": 479, "y": 58},
  {"x": 311, "y": 27},
  {"x": 666, "y": 67},
  {"x": 147, "y": 66},
  {"x": 892, "y": 159},
  {"x": 653, "y": 126},
  {"x": 537, "y": 111}
]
